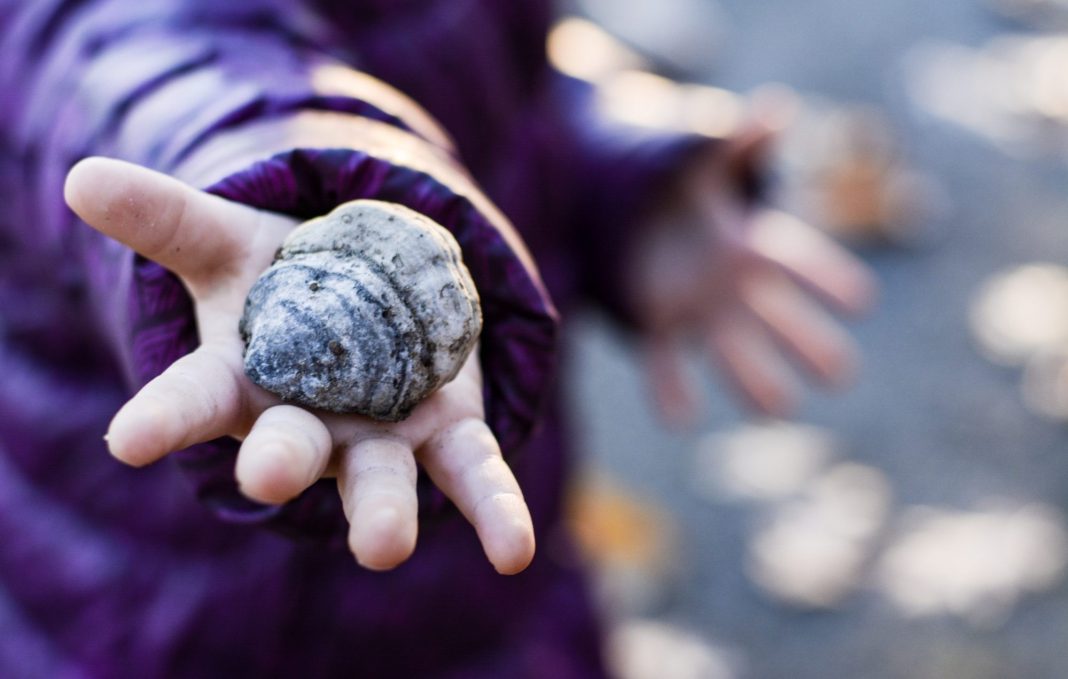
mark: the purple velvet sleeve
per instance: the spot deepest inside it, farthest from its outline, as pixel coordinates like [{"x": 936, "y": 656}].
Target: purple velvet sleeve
[
  {"x": 622, "y": 171},
  {"x": 152, "y": 83}
]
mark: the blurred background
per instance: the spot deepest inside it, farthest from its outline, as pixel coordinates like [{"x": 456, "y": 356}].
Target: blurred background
[{"x": 916, "y": 525}]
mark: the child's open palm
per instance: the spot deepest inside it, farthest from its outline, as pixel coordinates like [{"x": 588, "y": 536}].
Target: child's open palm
[{"x": 218, "y": 249}]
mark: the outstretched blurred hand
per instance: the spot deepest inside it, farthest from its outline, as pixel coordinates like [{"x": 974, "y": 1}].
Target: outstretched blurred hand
[
  {"x": 747, "y": 283},
  {"x": 218, "y": 249}
]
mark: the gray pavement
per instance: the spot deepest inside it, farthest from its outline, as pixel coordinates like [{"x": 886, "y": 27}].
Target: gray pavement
[{"x": 940, "y": 425}]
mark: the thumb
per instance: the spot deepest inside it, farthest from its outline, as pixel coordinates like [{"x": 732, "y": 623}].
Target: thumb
[
  {"x": 188, "y": 231},
  {"x": 748, "y": 152}
]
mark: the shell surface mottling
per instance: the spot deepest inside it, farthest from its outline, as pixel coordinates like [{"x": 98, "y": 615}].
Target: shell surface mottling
[{"x": 367, "y": 310}]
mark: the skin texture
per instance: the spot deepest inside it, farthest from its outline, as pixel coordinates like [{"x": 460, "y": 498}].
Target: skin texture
[{"x": 218, "y": 249}]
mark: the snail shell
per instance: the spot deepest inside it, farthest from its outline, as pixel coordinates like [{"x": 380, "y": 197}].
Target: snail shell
[{"x": 367, "y": 310}]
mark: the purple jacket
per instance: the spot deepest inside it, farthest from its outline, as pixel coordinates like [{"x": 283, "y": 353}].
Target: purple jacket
[{"x": 168, "y": 571}]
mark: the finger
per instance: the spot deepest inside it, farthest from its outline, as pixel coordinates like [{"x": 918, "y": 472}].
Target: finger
[
  {"x": 196, "y": 399},
  {"x": 748, "y": 151},
  {"x": 377, "y": 484},
  {"x": 815, "y": 260},
  {"x": 750, "y": 361},
  {"x": 465, "y": 462},
  {"x": 286, "y": 451},
  {"x": 185, "y": 230},
  {"x": 677, "y": 399},
  {"x": 774, "y": 106},
  {"x": 803, "y": 328}
]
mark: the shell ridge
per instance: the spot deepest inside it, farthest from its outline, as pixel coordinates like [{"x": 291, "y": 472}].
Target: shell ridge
[
  {"x": 404, "y": 295},
  {"x": 380, "y": 368},
  {"x": 302, "y": 314}
]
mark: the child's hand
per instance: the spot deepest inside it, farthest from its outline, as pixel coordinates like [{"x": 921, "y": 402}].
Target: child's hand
[
  {"x": 744, "y": 282},
  {"x": 218, "y": 249}
]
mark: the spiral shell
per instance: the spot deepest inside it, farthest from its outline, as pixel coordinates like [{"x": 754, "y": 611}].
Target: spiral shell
[{"x": 367, "y": 310}]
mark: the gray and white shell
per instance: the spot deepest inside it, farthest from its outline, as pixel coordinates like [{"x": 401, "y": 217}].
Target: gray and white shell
[{"x": 367, "y": 310}]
